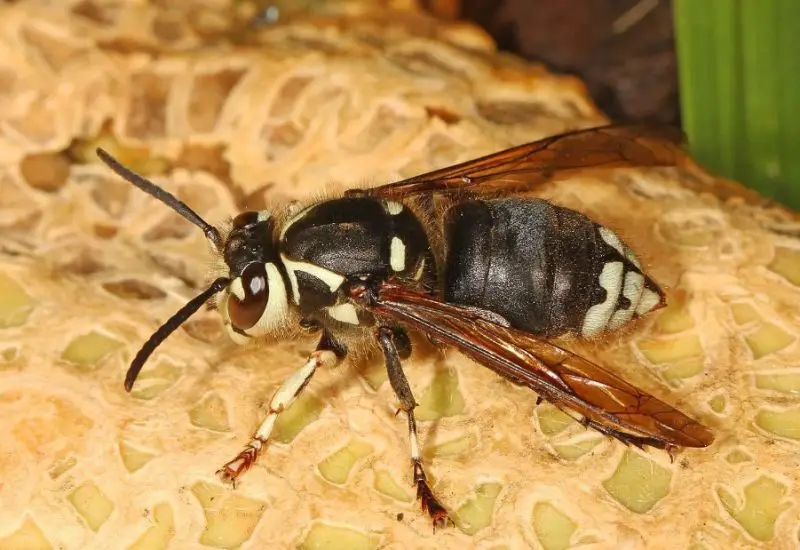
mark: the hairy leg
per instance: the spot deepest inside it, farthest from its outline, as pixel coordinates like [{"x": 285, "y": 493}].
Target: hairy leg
[{"x": 402, "y": 390}]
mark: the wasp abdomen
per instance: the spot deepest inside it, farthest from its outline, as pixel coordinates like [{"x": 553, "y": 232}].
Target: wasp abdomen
[{"x": 546, "y": 269}]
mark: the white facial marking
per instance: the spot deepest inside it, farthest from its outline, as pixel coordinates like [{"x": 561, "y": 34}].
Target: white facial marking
[
  {"x": 237, "y": 338},
  {"x": 392, "y": 207},
  {"x": 263, "y": 215},
  {"x": 333, "y": 280},
  {"x": 346, "y": 313},
  {"x": 598, "y": 315},
  {"x": 236, "y": 288},
  {"x": 648, "y": 301},
  {"x": 632, "y": 290},
  {"x": 397, "y": 255},
  {"x": 277, "y": 303}
]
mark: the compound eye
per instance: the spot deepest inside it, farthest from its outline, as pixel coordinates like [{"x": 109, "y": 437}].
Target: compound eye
[
  {"x": 246, "y": 312},
  {"x": 244, "y": 219}
]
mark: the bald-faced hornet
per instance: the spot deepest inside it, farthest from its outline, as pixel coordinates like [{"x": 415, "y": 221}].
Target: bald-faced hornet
[{"x": 492, "y": 274}]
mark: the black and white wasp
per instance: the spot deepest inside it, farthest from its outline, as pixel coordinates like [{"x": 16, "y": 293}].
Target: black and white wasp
[{"x": 493, "y": 274}]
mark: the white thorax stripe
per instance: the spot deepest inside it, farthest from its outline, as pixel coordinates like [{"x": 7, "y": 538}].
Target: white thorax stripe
[
  {"x": 397, "y": 255},
  {"x": 345, "y": 313},
  {"x": 296, "y": 212},
  {"x": 393, "y": 207},
  {"x": 330, "y": 278}
]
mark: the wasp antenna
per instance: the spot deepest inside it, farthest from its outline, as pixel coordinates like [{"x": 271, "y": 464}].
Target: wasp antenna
[
  {"x": 169, "y": 327},
  {"x": 167, "y": 198}
]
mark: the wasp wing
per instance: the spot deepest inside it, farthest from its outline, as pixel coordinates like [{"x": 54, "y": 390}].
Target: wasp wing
[
  {"x": 569, "y": 381},
  {"x": 525, "y": 167}
]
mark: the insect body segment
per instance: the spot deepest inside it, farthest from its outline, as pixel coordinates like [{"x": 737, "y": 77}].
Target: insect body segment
[
  {"x": 256, "y": 300},
  {"x": 546, "y": 269},
  {"x": 514, "y": 272},
  {"x": 337, "y": 240}
]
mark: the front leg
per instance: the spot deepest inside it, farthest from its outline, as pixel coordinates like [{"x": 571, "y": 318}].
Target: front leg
[
  {"x": 328, "y": 352},
  {"x": 402, "y": 390}
]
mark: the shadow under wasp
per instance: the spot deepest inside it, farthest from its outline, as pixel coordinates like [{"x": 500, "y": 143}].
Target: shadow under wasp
[{"x": 493, "y": 274}]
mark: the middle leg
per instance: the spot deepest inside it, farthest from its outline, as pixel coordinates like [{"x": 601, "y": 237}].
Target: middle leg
[{"x": 397, "y": 378}]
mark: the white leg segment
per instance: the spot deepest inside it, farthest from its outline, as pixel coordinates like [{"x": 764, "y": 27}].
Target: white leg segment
[
  {"x": 281, "y": 400},
  {"x": 430, "y": 504},
  {"x": 413, "y": 440}
]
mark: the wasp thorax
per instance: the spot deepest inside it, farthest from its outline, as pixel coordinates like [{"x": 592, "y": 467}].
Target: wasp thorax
[{"x": 246, "y": 307}]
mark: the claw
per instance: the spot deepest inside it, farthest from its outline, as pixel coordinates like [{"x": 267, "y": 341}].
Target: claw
[
  {"x": 432, "y": 507},
  {"x": 233, "y": 470},
  {"x": 442, "y": 521}
]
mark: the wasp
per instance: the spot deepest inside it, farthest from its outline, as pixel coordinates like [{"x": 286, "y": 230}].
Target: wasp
[{"x": 462, "y": 255}]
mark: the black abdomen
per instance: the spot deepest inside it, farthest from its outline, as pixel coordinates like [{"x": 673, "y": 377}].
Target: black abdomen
[{"x": 546, "y": 269}]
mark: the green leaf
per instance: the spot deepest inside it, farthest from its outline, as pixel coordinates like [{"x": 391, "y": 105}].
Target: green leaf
[{"x": 739, "y": 72}]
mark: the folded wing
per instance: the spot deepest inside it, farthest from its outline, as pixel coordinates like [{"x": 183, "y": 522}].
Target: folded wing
[
  {"x": 523, "y": 168},
  {"x": 565, "y": 379}
]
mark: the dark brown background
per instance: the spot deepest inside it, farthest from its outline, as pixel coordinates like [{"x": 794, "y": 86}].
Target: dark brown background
[{"x": 622, "y": 49}]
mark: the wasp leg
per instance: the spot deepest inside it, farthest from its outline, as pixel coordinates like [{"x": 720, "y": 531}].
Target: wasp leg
[
  {"x": 402, "y": 390},
  {"x": 402, "y": 342},
  {"x": 328, "y": 352},
  {"x": 628, "y": 439}
]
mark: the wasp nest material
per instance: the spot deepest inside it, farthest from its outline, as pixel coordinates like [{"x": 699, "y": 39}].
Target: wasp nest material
[{"x": 228, "y": 115}]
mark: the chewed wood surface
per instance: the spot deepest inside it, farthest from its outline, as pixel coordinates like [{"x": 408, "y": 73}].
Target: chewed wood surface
[{"x": 228, "y": 119}]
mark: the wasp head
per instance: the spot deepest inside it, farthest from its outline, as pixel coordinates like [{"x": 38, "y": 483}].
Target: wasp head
[
  {"x": 251, "y": 296},
  {"x": 255, "y": 302}
]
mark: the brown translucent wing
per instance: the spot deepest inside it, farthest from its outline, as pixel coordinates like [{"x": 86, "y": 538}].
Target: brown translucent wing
[
  {"x": 525, "y": 167},
  {"x": 569, "y": 381}
]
